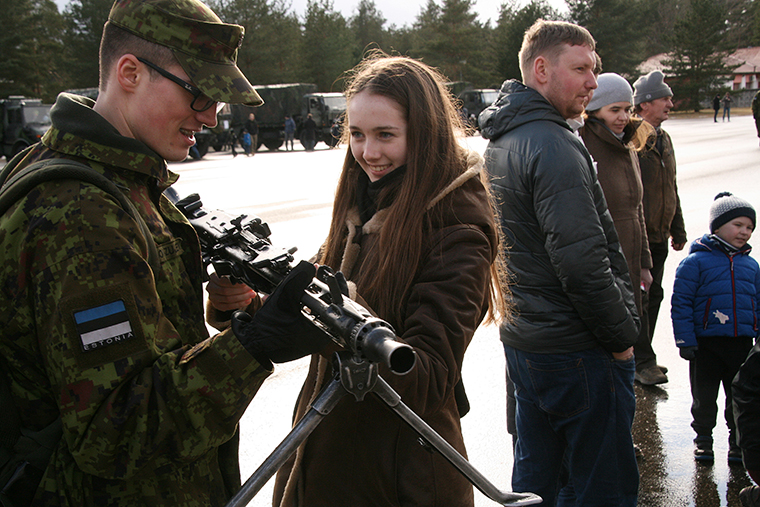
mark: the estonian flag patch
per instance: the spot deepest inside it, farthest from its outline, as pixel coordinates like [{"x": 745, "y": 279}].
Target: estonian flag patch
[{"x": 103, "y": 325}]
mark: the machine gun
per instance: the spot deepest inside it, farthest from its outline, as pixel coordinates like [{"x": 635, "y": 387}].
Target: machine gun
[{"x": 239, "y": 247}]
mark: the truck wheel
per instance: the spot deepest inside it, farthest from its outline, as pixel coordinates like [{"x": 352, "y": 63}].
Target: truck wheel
[
  {"x": 273, "y": 144},
  {"x": 202, "y": 149}
]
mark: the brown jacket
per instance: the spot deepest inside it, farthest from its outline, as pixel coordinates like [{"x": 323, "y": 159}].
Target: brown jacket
[
  {"x": 662, "y": 206},
  {"x": 618, "y": 171},
  {"x": 364, "y": 454}
]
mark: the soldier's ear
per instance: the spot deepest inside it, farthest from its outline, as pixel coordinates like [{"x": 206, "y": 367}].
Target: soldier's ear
[{"x": 130, "y": 72}]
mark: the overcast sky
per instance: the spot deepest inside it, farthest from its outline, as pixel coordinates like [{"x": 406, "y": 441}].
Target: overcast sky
[{"x": 400, "y": 12}]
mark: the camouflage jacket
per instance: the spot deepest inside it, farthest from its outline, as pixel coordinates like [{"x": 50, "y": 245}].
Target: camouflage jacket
[{"x": 147, "y": 399}]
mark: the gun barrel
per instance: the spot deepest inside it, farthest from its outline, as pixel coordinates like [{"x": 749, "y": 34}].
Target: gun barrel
[{"x": 378, "y": 343}]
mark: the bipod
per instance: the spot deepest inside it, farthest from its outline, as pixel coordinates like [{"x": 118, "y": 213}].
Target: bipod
[{"x": 358, "y": 377}]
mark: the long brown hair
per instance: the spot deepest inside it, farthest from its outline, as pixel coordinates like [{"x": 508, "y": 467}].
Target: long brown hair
[{"x": 434, "y": 160}]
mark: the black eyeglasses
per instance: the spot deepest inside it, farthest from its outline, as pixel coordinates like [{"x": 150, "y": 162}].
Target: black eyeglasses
[{"x": 200, "y": 101}]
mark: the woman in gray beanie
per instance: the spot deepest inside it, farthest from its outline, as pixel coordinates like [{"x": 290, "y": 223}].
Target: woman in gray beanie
[{"x": 612, "y": 135}]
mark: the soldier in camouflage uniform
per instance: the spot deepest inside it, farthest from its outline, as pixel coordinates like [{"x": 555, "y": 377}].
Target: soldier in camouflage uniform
[{"x": 91, "y": 331}]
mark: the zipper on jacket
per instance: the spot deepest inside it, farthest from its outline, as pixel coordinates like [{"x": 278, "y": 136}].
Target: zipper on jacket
[
  {"x": 733, "y": 294},
  {"x": 707, "y": 313}
]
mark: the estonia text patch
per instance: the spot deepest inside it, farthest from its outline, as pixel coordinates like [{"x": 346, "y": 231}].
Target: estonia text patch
[{"x": 103, "y": 325}]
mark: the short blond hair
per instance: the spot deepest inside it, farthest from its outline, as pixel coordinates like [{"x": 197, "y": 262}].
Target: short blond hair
[{"x": 548, "y": 38}]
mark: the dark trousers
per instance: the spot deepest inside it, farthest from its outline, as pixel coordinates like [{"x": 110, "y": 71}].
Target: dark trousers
[
  {"x": 717, "y": 362},
  {"x": 650, "y": 304}
]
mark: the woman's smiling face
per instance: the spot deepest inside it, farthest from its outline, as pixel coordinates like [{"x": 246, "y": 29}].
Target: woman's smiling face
[{"x": 377, "y": 127}]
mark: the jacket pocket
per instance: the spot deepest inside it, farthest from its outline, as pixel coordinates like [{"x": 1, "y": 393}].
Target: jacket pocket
[{"x": 706, "y": 316}]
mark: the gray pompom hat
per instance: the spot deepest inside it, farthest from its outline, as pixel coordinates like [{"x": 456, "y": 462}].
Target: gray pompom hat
[
  {"x": 726, "y": 207},
  {"x": 610, "y": 88},
  {"x": 650, "y": 87}
]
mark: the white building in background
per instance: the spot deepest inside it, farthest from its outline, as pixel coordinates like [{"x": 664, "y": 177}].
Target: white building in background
[{"x": 744, "y": 77}]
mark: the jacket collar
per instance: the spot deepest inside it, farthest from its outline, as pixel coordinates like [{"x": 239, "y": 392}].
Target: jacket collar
[{"x": 79, "y": 131}]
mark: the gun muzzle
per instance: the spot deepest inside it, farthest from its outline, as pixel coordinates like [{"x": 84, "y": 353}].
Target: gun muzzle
[{"x": 377, "y": 342}]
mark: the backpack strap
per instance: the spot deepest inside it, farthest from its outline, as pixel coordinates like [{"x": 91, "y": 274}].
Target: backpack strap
[{"x": 25, "y": 180}]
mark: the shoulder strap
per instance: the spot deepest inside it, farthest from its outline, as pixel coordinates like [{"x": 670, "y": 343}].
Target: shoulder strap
[{"x": 21, "y": 183}]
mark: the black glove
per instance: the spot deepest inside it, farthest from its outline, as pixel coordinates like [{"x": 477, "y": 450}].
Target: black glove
[
  {"x": 688, "y": 353},
  {"x": 279, "y": 331}
]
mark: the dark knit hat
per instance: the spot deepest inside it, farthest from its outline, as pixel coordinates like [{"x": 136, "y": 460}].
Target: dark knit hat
[
  {"x": 726, "y": 207},
  {"x": 650, "y": 87},
  {"x": 204, "y": 46}
]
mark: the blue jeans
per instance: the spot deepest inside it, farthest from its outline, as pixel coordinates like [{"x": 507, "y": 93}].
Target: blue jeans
[{"x": 574, "y": 411}]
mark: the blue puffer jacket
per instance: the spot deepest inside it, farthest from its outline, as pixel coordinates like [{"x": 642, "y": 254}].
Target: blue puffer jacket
[{"x": 715, "y": 293}]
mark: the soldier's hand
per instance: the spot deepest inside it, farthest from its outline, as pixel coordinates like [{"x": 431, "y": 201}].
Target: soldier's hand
[
  {"x": 226, "y": 296},
  {"x": 279, "y": 331}
]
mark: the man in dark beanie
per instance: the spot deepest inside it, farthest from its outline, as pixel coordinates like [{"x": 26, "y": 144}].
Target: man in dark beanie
[
  {"x": 662, "y": 212},
  {"x": 104, "y": 353}
]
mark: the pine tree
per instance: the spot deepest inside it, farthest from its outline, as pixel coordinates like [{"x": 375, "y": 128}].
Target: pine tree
[
  {"x": 367, "y": 27},
  {"x": 85, "y": 20},
  {"x": 508, "y": 35},
  {"x": 30, "y": 52},
  {"x": 614, "y": 24},
  {"x": 698, "y": 63},
  {"x": 454, "y": 41},
  {"x": 269, "y": 53},
  {"x": 327, "y": 47}
]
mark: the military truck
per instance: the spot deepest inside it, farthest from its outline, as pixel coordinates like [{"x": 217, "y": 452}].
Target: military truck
[
  {"x": 475, "y": 100},
  {"x": 23, "y": 123}
]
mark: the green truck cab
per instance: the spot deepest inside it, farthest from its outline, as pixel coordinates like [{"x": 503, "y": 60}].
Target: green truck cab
[{"x": 23, "y": 123}]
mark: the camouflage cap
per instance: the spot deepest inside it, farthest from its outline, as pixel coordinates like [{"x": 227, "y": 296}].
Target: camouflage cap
[{"x": 205, "y": 47}]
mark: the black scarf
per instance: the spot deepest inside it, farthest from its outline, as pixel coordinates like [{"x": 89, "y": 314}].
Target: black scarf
[{"x": 369, "y": 192}]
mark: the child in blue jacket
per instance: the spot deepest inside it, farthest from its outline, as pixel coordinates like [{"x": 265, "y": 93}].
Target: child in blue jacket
[{"x": 715, "y": 315}]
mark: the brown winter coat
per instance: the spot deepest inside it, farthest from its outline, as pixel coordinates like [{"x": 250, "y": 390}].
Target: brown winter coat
[
  {"x": 618, "y": 171},
  {"x": 662, "y": 206},
  {"x": 362, "y": 453}
]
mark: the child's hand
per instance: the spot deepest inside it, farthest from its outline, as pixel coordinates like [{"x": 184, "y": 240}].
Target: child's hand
[{"x": 688, "y": 353}]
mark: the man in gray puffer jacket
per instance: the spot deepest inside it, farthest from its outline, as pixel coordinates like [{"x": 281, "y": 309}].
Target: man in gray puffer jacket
[{"x": 569, "y": 349}]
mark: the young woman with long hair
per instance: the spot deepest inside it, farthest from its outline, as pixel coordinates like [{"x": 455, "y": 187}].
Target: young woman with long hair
[{"x": 414, "y": 232}]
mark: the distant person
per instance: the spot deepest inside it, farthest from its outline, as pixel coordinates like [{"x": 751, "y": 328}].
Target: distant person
[
  {"x": 652, "y": 100},
  {"x": 336, "y": 131},
  {"x": 727, "y": 106},
  {"x": 417, "y": 238},
  {"x": 290, "y": 133},
  {"x": 715, "y": 316},
  {"x": 245, "y": 142},
  {"x": 756, "y": 112},
  {"x": 309, "y": 133},
  {"x": 252, "y": 128},
  {"x": 569, "y": 347},
  {"x": 716, "y": 107},
  {"x": 746, "y": 402}
]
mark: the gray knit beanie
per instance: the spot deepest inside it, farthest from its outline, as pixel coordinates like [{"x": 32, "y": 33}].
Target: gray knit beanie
[
  {"x": 650, "y": 87},
  {"x": 610, "y": 88},
  {"x": 726, "y": 207}
]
